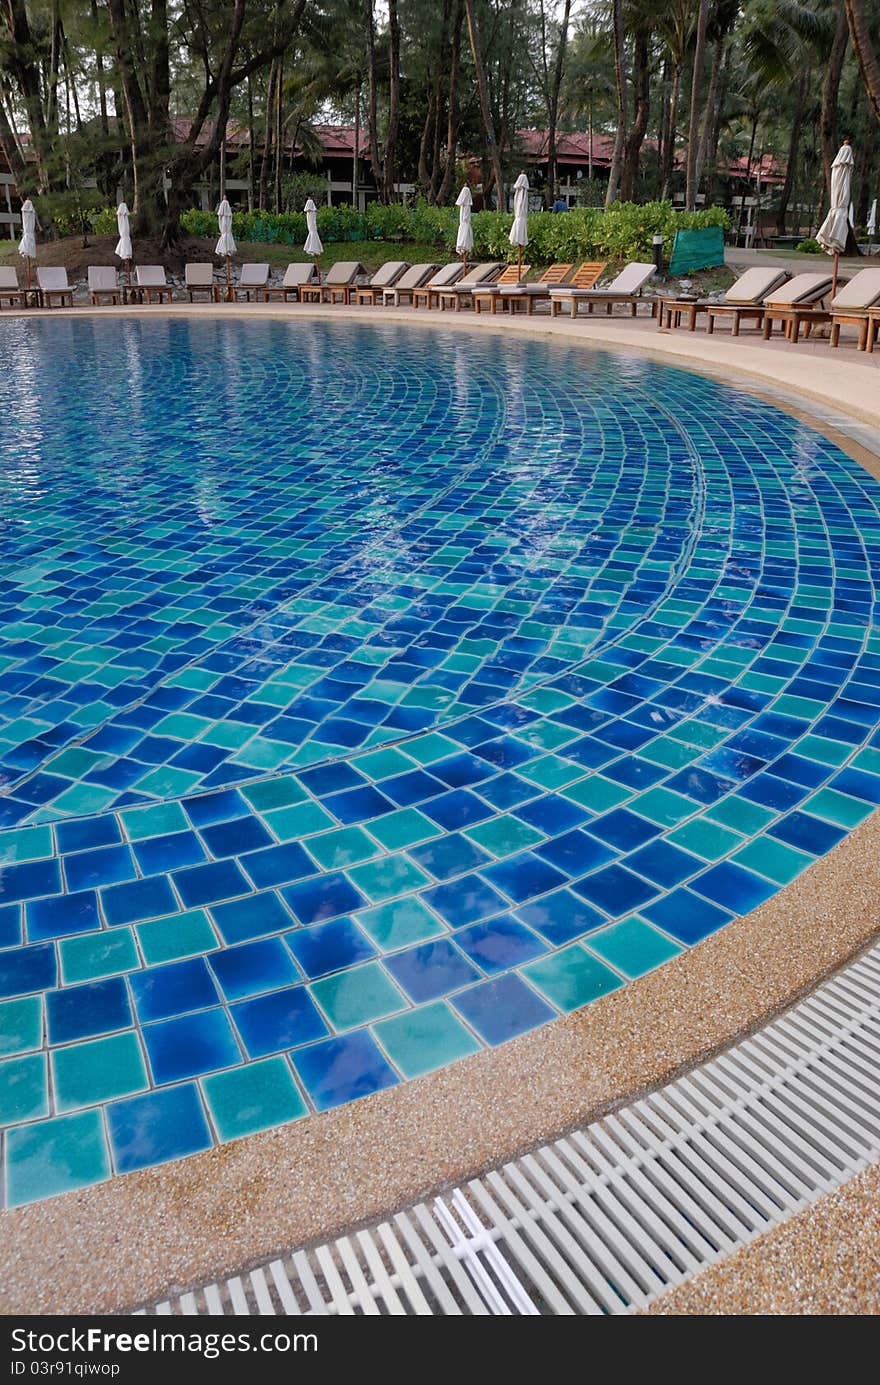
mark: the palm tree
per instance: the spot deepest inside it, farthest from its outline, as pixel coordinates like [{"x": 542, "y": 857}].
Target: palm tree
[{"x": 863, "y": 45}]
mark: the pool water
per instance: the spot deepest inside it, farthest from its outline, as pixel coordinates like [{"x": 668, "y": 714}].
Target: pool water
[{"x": 371, "y": 695}]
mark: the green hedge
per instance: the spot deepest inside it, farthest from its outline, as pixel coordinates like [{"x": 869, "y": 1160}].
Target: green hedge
[{"x": 623, "y": 232}]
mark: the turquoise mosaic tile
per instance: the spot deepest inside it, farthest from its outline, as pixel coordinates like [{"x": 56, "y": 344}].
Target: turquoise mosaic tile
[{"x": 330, "y": 756}]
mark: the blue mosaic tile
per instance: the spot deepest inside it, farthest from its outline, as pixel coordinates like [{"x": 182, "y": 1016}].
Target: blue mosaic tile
[
  {"x": 543, "y": 727},
  {"x": 190, "y": 1045},
  {"x": 340, "y": 1070},
  {"x": 158, "y": 1126}
]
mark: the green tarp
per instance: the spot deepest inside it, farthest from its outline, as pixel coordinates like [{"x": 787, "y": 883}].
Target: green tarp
[{"x": 697, "y": 250}]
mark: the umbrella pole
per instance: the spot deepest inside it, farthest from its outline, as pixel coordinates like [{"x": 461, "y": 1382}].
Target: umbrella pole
[
  {"x": 228, "y": 279},
  {"x": 27, "y": 263},
  {"x": 518, "y": 263},
  {"x": 834, "y": 279}
]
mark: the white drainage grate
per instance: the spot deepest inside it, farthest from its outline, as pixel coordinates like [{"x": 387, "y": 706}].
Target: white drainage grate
[{"x": 610, "y": 1216}]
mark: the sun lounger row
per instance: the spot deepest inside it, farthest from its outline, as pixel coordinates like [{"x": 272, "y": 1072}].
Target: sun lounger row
[{"x": 765, "y": 295}]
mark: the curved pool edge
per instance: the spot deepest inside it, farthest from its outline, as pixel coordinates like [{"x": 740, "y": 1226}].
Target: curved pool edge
[
  {"x": 206, "y": 1216},
  {"x": 118, "y": 1243}
]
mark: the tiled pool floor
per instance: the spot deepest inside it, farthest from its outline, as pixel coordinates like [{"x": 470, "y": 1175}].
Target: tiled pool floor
[{"x": 371, "y": 696}]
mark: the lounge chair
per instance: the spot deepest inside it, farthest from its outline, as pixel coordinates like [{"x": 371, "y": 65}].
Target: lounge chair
[
  {"x": 529, "y": 295},
  {"x": 385, "y": 277},
  {"x": 252, "y": 279},
  {"x": 447, "y": 274},
  {"x": 337, "y": 287},
  {"x": 152, "y": 285},
  {"x": 873, "y": 329},
  {"x": 414, "y": 278},
  {"x": 53, "y": 287},
  {"x": 458, "y": 295},
  {"x": 853, "y": 303},
  {"x": 794, "y": 305},
  {"x": 625, "y": 288},
  {"x": 488, "y": 294},
  {"x": 296, "y": 277},
  {"x": 9, "y": 287},
  {"x": 744, "y": 300},
  {"x": 103, "y": 284},
  {"x": 198, "y": 278}
]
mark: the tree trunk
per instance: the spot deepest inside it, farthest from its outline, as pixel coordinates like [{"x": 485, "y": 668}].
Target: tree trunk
[
  {"x": 671, "y": 121},
  {"x": 11, "y": 151},
  {"x": 393, "y": 101},
  {"x": 279, "y": 134},
  {"x": 427, "y": 137},
  {"x": 690, "y": 199},
  {"x": 794, "y": 145},
  {"x": 250, "y": 106},
  {"x": 553, "y": 105},
  {"x": 709, "y": 112},
  {"x": 357, "y": 146},
  {"x": 636, "y": 136},
  {"x": 483, "y": 90},
  {"x": 265, "y": 162},
  {"x": 620, "y": 82},
  {"x": 752, "y": 137},
  {"x": 863, "y": 47},
  {"x": 828, "y": 127},
  {"x": 22, "y": 64},
  {"x": 445, "y": 188},
  {"x": 372, "y": 94}
]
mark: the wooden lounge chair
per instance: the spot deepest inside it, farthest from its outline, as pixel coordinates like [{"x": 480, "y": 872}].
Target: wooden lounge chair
[
  {"x": 252, "y": 279},
  {"x": 744, "y": 300},
  {"x": 386, "y": 277},
  {"x": 103, "y": 284},
  {"x": 531, "y": 295},
  {"x": 152, "y": 286},
  {"x": 488, "y": 294},
  {"x": 53, "y": 287},
  {"x": 9, "y": 288},
  {"x": 795, "y": 305},
  {"x": 297, "y": 276},
  {"x": 198, "y": 278},
  {"x": 447, "y": 274},
  {"x": 853, "y": 303},
  {"x": 414, "y": 278},
  {"x": 873, "y": 329},
  {"x": 459, "y": 295},
  {"x": 625, "y": 288},
  {"x": 337, "y": 287}
]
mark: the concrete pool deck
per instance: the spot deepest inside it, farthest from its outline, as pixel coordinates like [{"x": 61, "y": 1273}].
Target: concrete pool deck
[{"x": 124, "y": 1242}]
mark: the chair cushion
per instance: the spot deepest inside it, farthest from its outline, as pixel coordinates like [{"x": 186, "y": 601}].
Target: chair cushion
[
  {"x": 756, "y": 284},
  {"x": 52, "y": 278},
  {"x": 151, "y": 276},
  {"x": 862, "y": 291},
  {"x": 803, "y": 288},
  {"x": 199, "y": 276}
]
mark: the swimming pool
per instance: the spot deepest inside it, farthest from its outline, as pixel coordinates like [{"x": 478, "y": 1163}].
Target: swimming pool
[{"x": 370, "y": 696}]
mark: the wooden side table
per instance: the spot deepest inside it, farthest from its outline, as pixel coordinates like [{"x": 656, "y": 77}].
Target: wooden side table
[
  {"x": 793, "y": 318},
  {"x": 671, "y": 311}
]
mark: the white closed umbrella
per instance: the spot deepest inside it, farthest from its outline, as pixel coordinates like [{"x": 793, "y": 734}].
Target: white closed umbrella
[
  {"x": 464, "y": 241},
  {"x": 833, "y": 234},
  {"x": 872, "y": 218},
  {"x": 314, "y": 245},
  {"x": 27, "y": 246},
  {"x": 226, "y": 245},
  {"x": 519, "y": 231},
  {"x": 123, "y": 245}
]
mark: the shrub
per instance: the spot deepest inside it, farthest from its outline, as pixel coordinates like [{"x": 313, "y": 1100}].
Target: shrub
[
  {"x": 624, "y": 232},
  {"x": 809, "y": 247}
]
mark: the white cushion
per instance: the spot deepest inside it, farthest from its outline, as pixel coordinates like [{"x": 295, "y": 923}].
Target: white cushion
[
  {"x": 862, "y": 291},
  {"x": 756, "y": 284},
  {"x": 102, "y": 279},
  {"x": 803, "y": 288},
  {"x": 151, "y": 276},
  {"x": 52, "y": 278}
]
